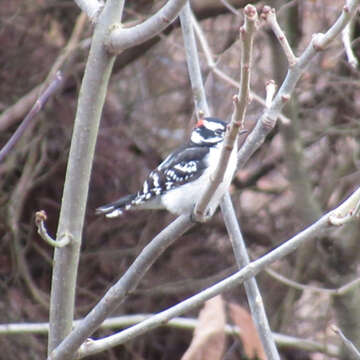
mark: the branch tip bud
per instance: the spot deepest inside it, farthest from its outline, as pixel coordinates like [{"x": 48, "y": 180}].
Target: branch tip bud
[
  {"x": 40, "y": 216},
  {"x": 285, "y": 98},
  {"x": 250, "y": 11}
]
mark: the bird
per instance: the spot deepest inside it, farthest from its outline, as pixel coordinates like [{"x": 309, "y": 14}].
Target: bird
[{"x": 179, "y": 181}]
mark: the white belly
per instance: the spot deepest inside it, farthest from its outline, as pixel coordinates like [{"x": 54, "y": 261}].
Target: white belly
[{"x": 190, "y": 193}]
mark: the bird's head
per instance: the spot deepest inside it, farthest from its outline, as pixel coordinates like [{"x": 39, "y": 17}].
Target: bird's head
[{"x": 208, "y": 131}]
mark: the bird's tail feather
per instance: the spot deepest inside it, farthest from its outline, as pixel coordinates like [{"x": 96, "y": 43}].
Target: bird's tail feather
[{"x": 115, "y": 208}]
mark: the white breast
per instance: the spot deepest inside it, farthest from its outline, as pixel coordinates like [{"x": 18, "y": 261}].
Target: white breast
[{"x": 183, "y": 199}]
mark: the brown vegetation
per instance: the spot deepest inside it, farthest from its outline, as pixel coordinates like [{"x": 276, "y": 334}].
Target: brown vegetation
[{"x": 305, "y": 168}]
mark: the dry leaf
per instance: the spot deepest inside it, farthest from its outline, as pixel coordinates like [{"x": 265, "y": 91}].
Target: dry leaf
[
  {"x": 248, "y": 333},
  {"x": 208, "y": 342}
]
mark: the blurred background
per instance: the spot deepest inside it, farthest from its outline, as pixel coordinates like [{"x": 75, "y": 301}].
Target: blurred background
[{"x": 306, "y": 167}]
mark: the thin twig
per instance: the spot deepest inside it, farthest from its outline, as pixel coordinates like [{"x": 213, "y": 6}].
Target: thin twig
[
  {"x": 252, "y": 291},
  {"x": 40, "y": 218},
  {"x": 39, "y": 104},
  {"x": 230, "y": 282},
  {"x": 183, "y": 323},
  {"x": 241, "y": 101},
  {"x": 63, "y": 61},
  {"x": 192, "y": 60},
  {"x": 209, "y": 57},
  {"x": 302, "y": 287},
  {"x": 268, "y": 119},
  {"x": 230, "y": 7},
  {"x": 269, "y": 15},
  {"x": 346, "y": 37},
  {"x": 350, "y": 347}
]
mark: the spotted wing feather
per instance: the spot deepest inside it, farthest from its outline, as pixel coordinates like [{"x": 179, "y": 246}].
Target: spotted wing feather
[{"x": 184, "y": 165}]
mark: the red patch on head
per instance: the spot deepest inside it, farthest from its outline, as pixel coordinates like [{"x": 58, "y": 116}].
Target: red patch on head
[{"x": 200, "y": 123}]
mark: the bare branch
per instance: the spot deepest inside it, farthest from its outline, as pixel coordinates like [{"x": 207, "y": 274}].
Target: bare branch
[
  {"x": 178, "y": 323},
  {"x": 346, "y": 36},
  {"x": 252, "y": 291},
  {"x": 39, "y": 104},
  {"x": 117, "y": 293},
  {"x": 302, "y": 287},
  {"x": 321, "y": 41},
  {"x": 40, "y": 218},
  {"x": 21, "y": 107},
  {"x": 347, "y": 211},
  {"x": 268, "y": 119},
  {"x": 75, "y": 193},
  {"x": 92, "y": 8},
  {"x": 219, "y": 73},
  {"x": 192, "y": 60},
  {"x": 350, "y": 347},
  {"x": 230, "y": 282},
  {"x": 230, "y": 7},
  {"x": 237, "y": 121},
  {"x": 270, "y": 16},
  {"x": 121, "y": 38}
]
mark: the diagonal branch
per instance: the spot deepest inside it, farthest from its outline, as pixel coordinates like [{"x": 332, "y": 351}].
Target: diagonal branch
[
  {"x": 247, "y": 272},
  {"x": 121, "y": 38},
  {"x": 118, "y": 292},
  {"x": 270, "y": 16},
  {"x": 267, "y": 120},
  {"x": 39, "y": 104}
]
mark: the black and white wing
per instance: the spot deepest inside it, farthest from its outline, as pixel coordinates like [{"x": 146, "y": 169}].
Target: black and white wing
[{"x": 184, "y": 165}]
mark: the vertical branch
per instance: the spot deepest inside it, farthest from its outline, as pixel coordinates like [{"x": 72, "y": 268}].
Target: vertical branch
[
  {"x": 241, "y": 101},
  {"x": 347, "y": 35},
  {"x": 91, "y": 100},
  {"x": 252, "y": 291},
  {"x": 192, "y": 60}
]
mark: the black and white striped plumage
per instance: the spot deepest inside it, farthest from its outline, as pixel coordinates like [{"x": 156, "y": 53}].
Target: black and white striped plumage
[{"x": 177, "y": 183}]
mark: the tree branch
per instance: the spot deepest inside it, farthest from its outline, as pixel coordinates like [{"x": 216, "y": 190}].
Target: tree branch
[
  {"x": 118, "y": 292},
  {"x": 346, "y": 36},
  {"x": 253, "y": 268},
  {"x": 192, "y": 60},
  {"x": 72, "y": 213},
  {"x": 349, "y": 346},
  {"x": 177, "y": 323},
  {"x": 268, "y": 119},
  {"x": 237, "y": 121},
  {"x": 39, "y": 104},
  {"x": 269, "y": 15},
  {"x": 121, "y": 38},
  {"x": 20, "y": 108},
  {"x": 40, "y": 218},
  {"x": 219, "y": 73},
  {"x": 252, "y": 291}
]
